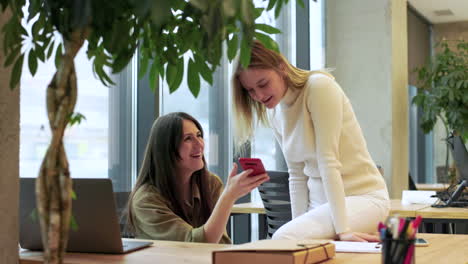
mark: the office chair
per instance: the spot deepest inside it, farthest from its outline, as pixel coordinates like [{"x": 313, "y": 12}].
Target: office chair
[
  {"x": 275, "y": 197},
  {"x": 121, "y": 199},
  {"x": 411, "y": 184}
]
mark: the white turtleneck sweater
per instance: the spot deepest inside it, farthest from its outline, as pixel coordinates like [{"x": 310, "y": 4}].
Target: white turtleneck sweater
[{"x": 320, "y": 137}]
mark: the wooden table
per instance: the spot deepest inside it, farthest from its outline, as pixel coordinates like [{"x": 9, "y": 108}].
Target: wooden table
[
  {"x": 431, "y": 186},
  {"x": 161, "y": 252},
  {"x": 444, "y": 213},
  {"x": 248, "y": 208},
  {"x": 396, "y": 208},
  {"x": 441, "y": 249},
  {"x": 439, "y": 220},
  {"x": 407, "y": 210},
  {"x": 446, "y": 220}
]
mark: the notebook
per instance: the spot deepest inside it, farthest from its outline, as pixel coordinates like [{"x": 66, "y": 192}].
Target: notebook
[
  {"x": 97, "y": 226},
  {"x": 357, "y": 247}
]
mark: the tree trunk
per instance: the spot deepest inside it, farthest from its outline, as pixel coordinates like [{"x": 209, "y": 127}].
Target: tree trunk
[{"x": 54, "y": 185}]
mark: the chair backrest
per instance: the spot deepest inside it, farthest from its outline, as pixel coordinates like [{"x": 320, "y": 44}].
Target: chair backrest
[
  {"x": 121, "y": 199},
  {"x": 275, "y": 197}
]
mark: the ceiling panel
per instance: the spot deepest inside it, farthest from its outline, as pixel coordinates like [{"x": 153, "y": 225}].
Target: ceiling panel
[{"x": 436, "y": 10}]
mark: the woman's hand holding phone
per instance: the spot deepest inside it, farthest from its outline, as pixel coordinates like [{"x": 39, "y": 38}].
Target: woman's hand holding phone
[
  {"x": 254, "y": 164},
  {"x": 241, "y": 184}
]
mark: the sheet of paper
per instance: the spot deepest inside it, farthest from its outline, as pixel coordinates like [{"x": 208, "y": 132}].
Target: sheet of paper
[
  {"x": 357, "y": 247},
  {"x": 418, "y": 197}
]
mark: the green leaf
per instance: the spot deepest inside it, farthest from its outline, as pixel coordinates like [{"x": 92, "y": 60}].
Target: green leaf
[
  {"x": 58, "y": 55},
  {"x": 12, "y": 56},
  {"x": 144, "y": 61},
  {"x": 32, "y": 62},
  {"x": 301, "y": 3},
  {"x": 271, "y": 4},
  {"x": 50, "y": 50},
  {"x": 245, "y": 53},
  {"x": 103, "y": 77},
  {"x": 171, "y": 73},
  {"x": 75, "y": 118},
  {"x": 205, "y": 71},
  {"x": 180, "y": 74},
  {"x": 38, "y": 25},
  {"x": 73, "y": 195},
  {"x": 267, "y": 29},
  {"x": 161, "y": 12},
  {"x": 153, "y": 75},
  {"x": 122, "y": 60},
  {"x": 39, "y": 52},
  {"x": 33, "y": 215},
  {"x": 175, "y": 74},
  {"x": 193, "y": 78},
  {"x": 258, "y": 12},
  {"x": 233, "y": 44},
  {"x": 73, "y": 224},
  {"x": 16, "y": 73},
  {"x": 267, "y": 41},
  {"x": 278, "y": 8}
]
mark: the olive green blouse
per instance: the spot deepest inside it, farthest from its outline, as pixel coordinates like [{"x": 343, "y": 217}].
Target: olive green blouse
[{"x": 154, "y": 218}]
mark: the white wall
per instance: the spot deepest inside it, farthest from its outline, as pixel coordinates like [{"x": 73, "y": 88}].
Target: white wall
[
  {"x": 367, "y": 46},
  {"x": 9, "y": 161}
]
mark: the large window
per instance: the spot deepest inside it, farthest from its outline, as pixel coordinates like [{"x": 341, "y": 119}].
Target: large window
[
  {"x": 264, "y": 142},
  {"x": 86, "y": 144},
  {"x": 317, "y": 34},
  {"x": 99, "y": 147},
  {"x": 212, "y": 110},
  {"x": 182, "y": 100}
]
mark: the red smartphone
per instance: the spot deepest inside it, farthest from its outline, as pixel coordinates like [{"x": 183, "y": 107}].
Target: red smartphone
[{"x": 252, "y": 163}]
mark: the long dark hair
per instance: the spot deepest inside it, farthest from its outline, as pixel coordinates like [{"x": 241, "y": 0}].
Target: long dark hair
[{"x": 159, "y": 167}]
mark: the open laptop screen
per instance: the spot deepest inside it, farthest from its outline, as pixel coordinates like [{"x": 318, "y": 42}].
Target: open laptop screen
[{"x": 97, "y": 226}]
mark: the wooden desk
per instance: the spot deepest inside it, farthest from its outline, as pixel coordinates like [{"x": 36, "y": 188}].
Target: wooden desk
[
  {"x": 442, "y": 249},
  {"x": 396, "y": 207},
  {"x": 444, "y": 213},
  {"x": 248, "y": 208},
  {"x": 431, "y": 186},
  {"x": 160, "y": 252},
  {"x": 435, "y": 219},
  {"x": 409, "y": 210}
]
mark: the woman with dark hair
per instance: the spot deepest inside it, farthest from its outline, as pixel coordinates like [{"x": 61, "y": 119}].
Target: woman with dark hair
[
  {"x": 336, "y": 190},
  {"x": 175, "y": 196}
]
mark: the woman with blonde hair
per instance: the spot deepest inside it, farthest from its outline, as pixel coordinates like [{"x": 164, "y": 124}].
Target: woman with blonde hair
[{"x": 335, "y": 188}]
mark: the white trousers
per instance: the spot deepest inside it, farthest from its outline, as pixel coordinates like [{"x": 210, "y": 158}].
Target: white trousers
[{"x": 364, "y": 213}]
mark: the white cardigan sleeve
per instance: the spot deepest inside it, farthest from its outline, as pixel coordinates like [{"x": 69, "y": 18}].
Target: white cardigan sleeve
[{"x": 324, "y": 99}]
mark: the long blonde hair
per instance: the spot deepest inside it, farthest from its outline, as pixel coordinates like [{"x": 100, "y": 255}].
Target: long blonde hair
[{"x": 244, "y": 106}]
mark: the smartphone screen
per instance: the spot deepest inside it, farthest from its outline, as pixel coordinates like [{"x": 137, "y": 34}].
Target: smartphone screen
[
  {"x": 421, "y": 242},
  {"x": 252, "y": 163}
]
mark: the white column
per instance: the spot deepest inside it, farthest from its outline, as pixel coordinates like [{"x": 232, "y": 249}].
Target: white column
[{"x": 367, "y": 47}]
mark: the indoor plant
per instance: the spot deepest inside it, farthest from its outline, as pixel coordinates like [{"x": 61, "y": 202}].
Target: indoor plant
[
  {"x": 162, "y": 31},
  {"x": 443, "y": 90}
]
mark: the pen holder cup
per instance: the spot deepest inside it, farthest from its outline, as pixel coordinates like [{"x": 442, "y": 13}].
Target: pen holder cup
[{"x": 398, "y": 251}]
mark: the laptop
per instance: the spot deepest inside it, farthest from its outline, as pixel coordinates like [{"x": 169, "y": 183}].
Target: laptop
[{"x": 97, "y": 226}]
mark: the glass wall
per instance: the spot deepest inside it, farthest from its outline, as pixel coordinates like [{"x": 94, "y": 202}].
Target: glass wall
[
  {"x": 264, "y": 143},
  {"x": 86, "y": 144}
]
